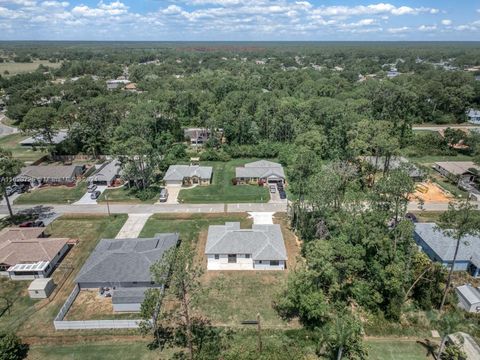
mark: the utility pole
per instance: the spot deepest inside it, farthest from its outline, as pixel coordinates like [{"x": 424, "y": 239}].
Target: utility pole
[{"x": 108, "y": 205}]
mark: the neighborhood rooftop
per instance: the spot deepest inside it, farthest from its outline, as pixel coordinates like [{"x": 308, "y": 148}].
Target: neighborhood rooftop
[
  {"x": 106, "y": 172},
  {"x": 48, "y": 172},
  {"x": 469, "y": 293},
  {"x": 457, "y": 167},
  {"x": 56, "y": 139},
  {"x": 179, "y": 172},
  {"x": 260, "y": 169},
  {"x": 264, "y": 242},
  {"x": 395, "y": 162},
  {"x": 125, "y": 260},
  {"x": 444, "y": 246}
]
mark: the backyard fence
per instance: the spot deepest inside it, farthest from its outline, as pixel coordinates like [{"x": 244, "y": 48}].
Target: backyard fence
[{"x": 61, "y": 324}]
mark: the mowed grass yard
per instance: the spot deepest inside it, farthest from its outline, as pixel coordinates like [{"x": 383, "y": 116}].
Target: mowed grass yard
[
  {"x": 222, "y": 190},
  {"x": 35, "y": 318},
  {"x": 18, "y": 68},
  {"x": 53, "y": 195},
  {"x": 231, "y": 296},
  {"x": 396, "y": 350},
  {"x": 123, "y": 195},
  {"x": 23, "y": 153}
]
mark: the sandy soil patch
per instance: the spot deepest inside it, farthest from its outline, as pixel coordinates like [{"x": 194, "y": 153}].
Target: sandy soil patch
[{"x": 431, "y": 192}]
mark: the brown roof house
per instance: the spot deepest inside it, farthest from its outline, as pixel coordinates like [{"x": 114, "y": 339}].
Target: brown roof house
[{"x": 25, "y": 254}]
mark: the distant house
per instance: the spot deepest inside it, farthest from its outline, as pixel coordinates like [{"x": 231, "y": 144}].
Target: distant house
[
  {"x": 458, "y": 171},
  {"x": 123, "y": 266},
  {"x": 473, "y": 116},
  {"x": 117, "y": 83},
  {"x": 26, "y": 254},
  {"x": 106, "y": 173},
  {"x": 392, "y": 73},
  {"x": 263, "y": 170},
  {"x": 395, "y": 162},
  {"x": 259, "y": 248},
  {"x": 441, "y": 248},
  {"x": 468, "y": 298},
  {"x": 40, "y": 140},
  {"x": 178, "y": 175},
  {"x": 131, "y": 87},
  {"x": 49, "y": 174},
  {"x": 199, "y": 136}
]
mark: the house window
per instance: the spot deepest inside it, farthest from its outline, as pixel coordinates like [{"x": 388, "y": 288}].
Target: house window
[
  {"x": 274, "y": 263},
  {"x": 247, "y": 256},
  {"x": 217, "y": 256},
  {"x": 232, "y": 258}
]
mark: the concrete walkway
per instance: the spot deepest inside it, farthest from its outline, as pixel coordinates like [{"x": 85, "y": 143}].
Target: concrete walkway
[
  {"x": 262, "y": 217},
  {"x": 133, "y": 226}
]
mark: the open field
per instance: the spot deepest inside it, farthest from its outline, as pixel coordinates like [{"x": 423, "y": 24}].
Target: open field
[
  {"x": 18, "y": 68},
  {"x": 53, "y": 195},
  {"x": 396, "y": 350},
  {"x": 222, "y": 190},
  {"x": 23, "y": 153},
  {"x": 35, "y": 319}
]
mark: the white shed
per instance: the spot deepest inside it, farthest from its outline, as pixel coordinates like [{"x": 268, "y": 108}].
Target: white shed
[
  {"x": 468, "y": 298},
  {"x": 41, "y": 288}
]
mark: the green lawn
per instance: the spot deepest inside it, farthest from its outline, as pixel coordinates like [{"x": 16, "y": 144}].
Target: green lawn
[
  {"x": 222, "y": 190},
  {"x": 396, "y": 350},
  {"x": 17, "y": 68},
  {"x": 24, "y": 153},
  {"x": 31, "y": 320},
  {"x": 123, "y": 195},
  {"x": 53, "y": 195},
  {"x": 430, "y": 159}
]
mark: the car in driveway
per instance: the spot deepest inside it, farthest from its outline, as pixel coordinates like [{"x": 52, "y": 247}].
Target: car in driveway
[
  {"x": 33, "y": 223},
  {"x": 163, "y": 195},
  {"x": 91, "y": 188},
  {"x": 95, "y": 194},
  {"x": 273, "y": 189},
  {"x": 12, "y": 190}
]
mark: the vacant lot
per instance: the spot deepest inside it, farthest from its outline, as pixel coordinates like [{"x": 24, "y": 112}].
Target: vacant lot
[
  {"x": 222, "y": 190},
  {"x": 53, "y": 195},
  {"x": 35, "y": 319},
  {"x": 24, "y": 153},
  {"x": 396, "y": 350},
  {"x": 17, "y": 68},
  {"x": 123, "y": 195}
]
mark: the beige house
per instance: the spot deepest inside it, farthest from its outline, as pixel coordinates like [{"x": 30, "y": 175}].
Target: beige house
[
  {"x": 268, "y": 172},
  {"x": 188, "y": 175}
]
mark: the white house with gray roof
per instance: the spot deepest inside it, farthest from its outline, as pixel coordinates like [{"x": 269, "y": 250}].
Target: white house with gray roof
[
  {"x": 259, "y": 248},
  {"x": 106, "y": 173},
  {"x": 123, "y": 266},
  {"x": 263, "y": 170},
  {"x": 473, "y": 116},
  {"x": 178, "y": 175},
  {"x": 440, "y": 247}
]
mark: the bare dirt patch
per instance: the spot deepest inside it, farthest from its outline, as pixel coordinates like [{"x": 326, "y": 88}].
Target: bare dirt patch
[
  {"x": 431, "y": 192},
  {"x": 90, "y": 305}
]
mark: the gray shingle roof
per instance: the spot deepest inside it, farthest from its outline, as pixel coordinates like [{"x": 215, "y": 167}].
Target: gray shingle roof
[
  {"x": 125, "y": 260},
  {"x": 263, "y": 242},
  {"x": 131, "y": 295},
  {"x": 179, "y": 172},
  {"x": 458, "y": 167},
  {"x": 260, "y": 169},
  {"x": 56, "y": 139},
  {"x": 444, "y": 246},
  {"x": 48, "y": 172},
  {"x": 396, "y": 162},
  {"x": 469, "y": 293},
  {"x": 106, "y": 172}
]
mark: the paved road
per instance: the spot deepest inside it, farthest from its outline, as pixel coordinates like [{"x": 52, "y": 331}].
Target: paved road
[
  {"x": 443, "y": 127},
  {"x": 150, "y": 209},
  {"x": 5, "y": 129}
]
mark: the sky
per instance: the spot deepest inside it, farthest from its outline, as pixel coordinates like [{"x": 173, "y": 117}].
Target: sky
[{"x": 240, "y": 20}]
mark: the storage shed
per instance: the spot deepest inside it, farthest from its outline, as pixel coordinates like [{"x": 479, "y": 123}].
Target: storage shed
[
  {"x": 41, "y": 288},
  {"x": 468, "y": 298}
]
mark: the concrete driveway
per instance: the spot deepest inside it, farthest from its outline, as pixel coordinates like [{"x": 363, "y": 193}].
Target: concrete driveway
[
  {"x": 11, "y": 198},
  {"x": 262, "y": 217},
  {"x": 133, "y": 226},
  {"x": 86, "y": 200},
  {"x": 173, "y": 192}
]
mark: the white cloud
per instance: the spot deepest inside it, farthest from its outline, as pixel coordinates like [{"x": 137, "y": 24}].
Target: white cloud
[
  {"x": 427, "y": 27},
  {"x": 373, "y": 9},
  {"x": 446, "y": 22},
  {"x": 19, "y": 2},
  {"x": 398, "y": 30}
]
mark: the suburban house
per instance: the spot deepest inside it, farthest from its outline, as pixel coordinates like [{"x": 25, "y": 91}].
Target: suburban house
[
  {"x": 468, "y": 298},
  {"x": 199, "y": 136},
  {"x": 259, "y": 248},
  {"x": 26, "y": 254},
  {"x": 265, "y": 171},
  {"x": 441, "y": 248},
  {"x": 36, "y": 175},
  {"x": 395, "y": 162},
  {"x": 178, "y": 175},
  {"x": 473, "y": 116},
  {"x": 458, "y": 171},
  {"x": 123, "y": 266},
  {"x": 117, "y": 83},
  {"x": 40, "y": 140},
  {"x": 106, "y": 173}
]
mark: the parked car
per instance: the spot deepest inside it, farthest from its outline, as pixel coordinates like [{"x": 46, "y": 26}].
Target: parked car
[
  {"x": 283, "y": 194},
  {"x": 32, "y": 223},
  {"x": 10, "y": 191},
  {"x": 91, "y": 188},
  {"x": 272, "y": 188},
  {"x": 95, "y": 194},
  {"x": 411, "y": 217},
  {"x": 23, "y": 189},
  {"x": 163, "y": 195}
]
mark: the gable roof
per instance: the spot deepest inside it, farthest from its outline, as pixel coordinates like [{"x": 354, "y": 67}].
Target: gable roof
[
  {"x": 125, "y": 260},
  {"x": 48, "y": 172},
  {"x": 469, "y": 293},
  {"x": 444, "y": 246},
  {"x": 179, "y": 172},
  {"x": 457, "y": 167},
  {"x": 106, "y": 172},
  {"x": 30, "y": 250},
  {"x": 260, "y": 169},
  {"x": 263, "y": 242},
  {"x": 56, "y": 139},
  {"x": 18, "y": 233}
]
